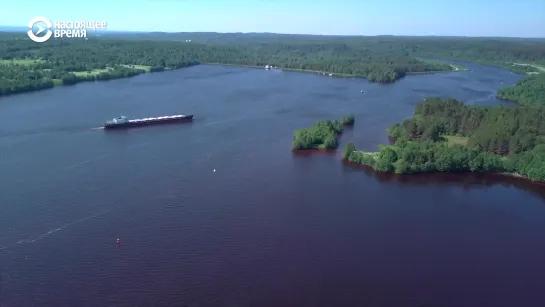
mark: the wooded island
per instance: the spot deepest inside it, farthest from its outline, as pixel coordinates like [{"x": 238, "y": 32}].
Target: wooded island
[{"x": 323, "y": 135}]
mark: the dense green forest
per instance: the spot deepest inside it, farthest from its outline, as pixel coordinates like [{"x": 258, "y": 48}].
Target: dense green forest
[
  {"x": 501, "y": 52},
  {"x": 493, "y": 51},
  {"x": 26, "y": 65},
  {"x": 449, "y": 136},
  {"x": 323, "y": 135},
  {"x": 499, "y": 130},
  {"x": 528, "y": 91}
]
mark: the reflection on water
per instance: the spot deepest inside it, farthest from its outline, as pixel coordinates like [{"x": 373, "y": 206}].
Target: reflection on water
[{"x": 467, "y": 181}]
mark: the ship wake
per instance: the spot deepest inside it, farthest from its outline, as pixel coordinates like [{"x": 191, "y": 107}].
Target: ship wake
[
  {"x": 65, "y": 226},
  {"x": 36, "y": 238},
  {"x": 23, "y": 134}
]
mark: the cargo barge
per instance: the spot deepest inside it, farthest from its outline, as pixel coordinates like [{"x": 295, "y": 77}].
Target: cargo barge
[{"x": 124, "y": 122}]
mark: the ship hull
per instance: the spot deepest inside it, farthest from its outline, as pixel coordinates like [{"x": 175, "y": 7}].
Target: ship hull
[{"x": 153, "y": 122}]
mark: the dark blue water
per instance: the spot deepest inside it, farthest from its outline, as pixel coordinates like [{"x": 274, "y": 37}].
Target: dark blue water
[{"x": 268, "y": 228}]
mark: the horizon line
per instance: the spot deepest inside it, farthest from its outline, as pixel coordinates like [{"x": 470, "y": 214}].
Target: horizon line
[{"x": 7, "y": 28}]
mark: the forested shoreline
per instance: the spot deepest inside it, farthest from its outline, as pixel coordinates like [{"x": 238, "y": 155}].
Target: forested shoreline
[
  {"x": 27, "y": 66},
  {"x": 528, "y": 91},
  {"x": 445, "y": 136},
  {"x": 449, "y": 136}
]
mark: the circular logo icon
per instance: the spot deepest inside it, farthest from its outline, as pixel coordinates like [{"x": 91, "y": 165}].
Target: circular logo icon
[{"x": 39, "y": 25}]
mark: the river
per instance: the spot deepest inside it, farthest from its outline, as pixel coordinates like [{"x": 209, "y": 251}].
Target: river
[{"x": 268, "y": 227}]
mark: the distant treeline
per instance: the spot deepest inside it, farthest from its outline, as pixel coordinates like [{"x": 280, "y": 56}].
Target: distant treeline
[
  {"x": 25, "y": 65},
  {"x": 494, "y": 139}
]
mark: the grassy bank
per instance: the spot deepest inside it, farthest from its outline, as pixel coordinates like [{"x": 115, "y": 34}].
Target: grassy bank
[
  {"x": 95, "y": 72},
  {"x": 26, "y": 62},
  {"x": 453, "y": 140},
  {"x": 535, "y": 68}
]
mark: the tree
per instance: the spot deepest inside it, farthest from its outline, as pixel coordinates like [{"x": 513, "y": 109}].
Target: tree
[
  {"x": 382, "y": 165},
  {"x": 401, "y": 166},
  {"x": 348, "y": 150}
]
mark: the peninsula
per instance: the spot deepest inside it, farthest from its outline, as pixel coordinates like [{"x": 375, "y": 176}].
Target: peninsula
[
  {"x": 528, "y": 91},
  {"x": 449, "y": 136}
]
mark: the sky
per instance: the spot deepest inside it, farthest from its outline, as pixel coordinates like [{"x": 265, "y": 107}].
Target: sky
[{"x": 512, "y": 18}]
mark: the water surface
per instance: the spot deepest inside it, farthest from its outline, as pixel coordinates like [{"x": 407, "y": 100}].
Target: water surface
[{"x": 269, "y": 227}]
